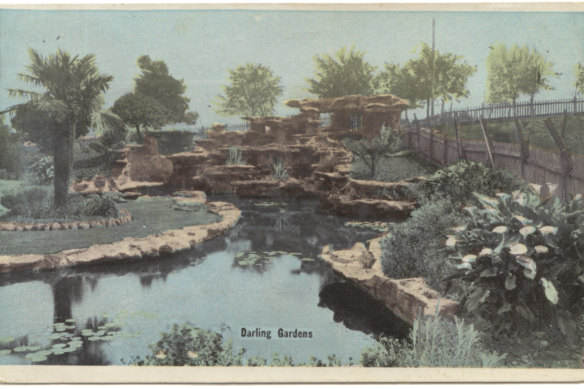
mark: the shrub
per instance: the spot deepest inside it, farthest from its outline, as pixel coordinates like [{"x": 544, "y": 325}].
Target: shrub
[
  {"x": 37, "y": 203},
  {"x": 415, "y": 248},
  {"x": 186, "y": 345},
  {"x": 40, "y": 170},
  {"x": 523, "y": 258},
  {"x": 10, "y": 153},
  {"x": 279, "y": 171},
  {"x": 458, "y": 181},
  {"x": 234, "y": 156},
  {"x": 34, "y": 203},
  {"x": 433, "y": 342}
]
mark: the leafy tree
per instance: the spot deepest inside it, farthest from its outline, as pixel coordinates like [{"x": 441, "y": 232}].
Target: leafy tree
[
  {"x": 140, "y": 111},
  {"x": 345, "y": 74},
  {"x": 158, "y": 99},
  {"x": 579, "y": 73},
  {"x": 253, "y": 91},
  {"x": 370, "y": 150},
  {"x": 429, "y": 77},
  {"x": 515, "y": 71},
  {"x": 69, "y": 105},
  {"x": 402, "y": 82}
]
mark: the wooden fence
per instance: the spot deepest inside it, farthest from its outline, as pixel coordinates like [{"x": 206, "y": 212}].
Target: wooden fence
[{"x": 532, "y": 164}]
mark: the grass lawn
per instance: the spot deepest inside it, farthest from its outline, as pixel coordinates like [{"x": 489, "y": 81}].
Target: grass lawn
[
  {"x": 151, "y": 216},
  {"x": 391, "y": 169}
]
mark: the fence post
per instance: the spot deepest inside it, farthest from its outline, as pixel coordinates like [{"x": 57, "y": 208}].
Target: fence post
[
  {"x": 488, "y": 142},
  {"x": 418, "y": 132},
  {"x": 459, "y": 148},
  {"x": 523, "y": 146},
  {"x": 566, "y": 161}
]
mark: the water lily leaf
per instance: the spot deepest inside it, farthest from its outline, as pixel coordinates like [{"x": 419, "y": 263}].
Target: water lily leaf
[
  {"x": 545, "y": 230},
  {"x": 510, "y": 282},
  {"x": 20, "y": 349},
  {"x": 529, "y": 265},
  {"x": 476, "y": 298},
  {"x": 550, "y": 291},
  {"x": 57, "y": 346},
  {"x": 54, "y": 336},
  {"x": 6, "y": 339},
  {"x": 525, "y": 312},
  {"x": 517, "y": 249},
  {"x": 94, "y": 338},
  {"x": 527, "y": 230},
  {"x": 239, "y": 255},
  {"x": 307, "y": 259},
  {"x": 107, "y": 338},
  {"x": 36, "y": 357},
  {"x": 490, "y": 272},
  {"x": 70, "y": 321},
  {"x": 5, "y": 352},
  {"x": 500, "y": 229},
  {"x": 505, "y": 308},
  {"x": 87, "y": 332}
]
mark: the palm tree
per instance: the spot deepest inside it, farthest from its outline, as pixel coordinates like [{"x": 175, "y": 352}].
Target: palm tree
[{"x": 68, "y": 106}]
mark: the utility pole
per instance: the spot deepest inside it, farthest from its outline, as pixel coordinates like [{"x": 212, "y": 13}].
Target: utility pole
[{"x": 432, "y": 66}]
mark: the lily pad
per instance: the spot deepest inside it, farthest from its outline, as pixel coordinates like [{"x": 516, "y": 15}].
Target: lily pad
[
  {"x": 87, "y": 332},
  {"x": 59, "y": 345},
  {"x": 70, "y": 321},
  {"x": 36, "y": 357},
  {"x": 6, "y": 339},
  {"x": 307, "y": 259},
  {"x": 55, "y": 336},
  {"x": 5, "y": 352},
  {"x": 94, "y": 338}
]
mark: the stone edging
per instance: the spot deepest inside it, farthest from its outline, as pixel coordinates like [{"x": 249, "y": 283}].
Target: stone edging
[
  {"x": 167, "y": 242},
  {"x": 72, "y": 225},
  {"x": 404, "y": 297}
]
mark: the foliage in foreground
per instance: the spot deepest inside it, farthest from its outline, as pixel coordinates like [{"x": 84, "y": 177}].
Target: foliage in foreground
[
  {"x": 187, "y": 345},
  {"x": 415, "y": 247},
  {"x": 433, "y": 342},
  {"x": 523, "y": 258},
  {"x": 459, "y": 181}
]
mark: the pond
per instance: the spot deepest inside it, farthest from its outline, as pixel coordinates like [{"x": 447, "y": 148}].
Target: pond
[{"x": 263, "y": 274}]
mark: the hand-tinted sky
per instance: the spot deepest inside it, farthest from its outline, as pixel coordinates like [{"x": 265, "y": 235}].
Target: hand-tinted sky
[{"x": 199, "y": 46}]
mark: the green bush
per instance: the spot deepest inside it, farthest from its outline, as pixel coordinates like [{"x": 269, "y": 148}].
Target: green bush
[
  {"x": 433, "y": 342},
  {"x": 415, "y": 247},
  {"x": 40, "y": 170},
  {"x": 34, "y": 203},
  {"x": 186, "y": 345},
  {"x": 37, "y": 204},
  {"x": 523, "y": 259},
  {"x": 11, "y": 153},
  {"x": 459, "y": 181}
]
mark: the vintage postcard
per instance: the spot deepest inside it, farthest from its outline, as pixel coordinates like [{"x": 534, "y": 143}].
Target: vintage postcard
[{"x": 245, "y": 193}]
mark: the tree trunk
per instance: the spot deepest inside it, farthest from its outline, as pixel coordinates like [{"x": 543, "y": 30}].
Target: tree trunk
[
  {"x": 62, "y": 159},
  {"x": 427, "y": 108},
  {"x": 532, "y": 108},
  {"x": 139, "y": 134}
]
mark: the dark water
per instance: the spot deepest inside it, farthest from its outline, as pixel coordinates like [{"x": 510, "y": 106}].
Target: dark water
[{"x": 104, "y": 314}]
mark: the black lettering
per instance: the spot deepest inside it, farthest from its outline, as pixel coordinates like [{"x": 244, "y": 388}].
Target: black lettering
[{"x": 243, "y": 332}]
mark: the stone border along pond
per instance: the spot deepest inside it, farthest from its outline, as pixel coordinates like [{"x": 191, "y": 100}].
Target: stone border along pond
[
  {"x": 132, "y": 248},
  {"x": 72, "y": 225}
]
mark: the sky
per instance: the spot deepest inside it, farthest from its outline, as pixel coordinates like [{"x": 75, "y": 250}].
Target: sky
[{"x": 199, "y": 46}]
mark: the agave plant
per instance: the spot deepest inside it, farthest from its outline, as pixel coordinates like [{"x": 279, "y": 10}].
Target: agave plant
[
  {"x": 523, "y": 257},
  {"x": 279, "y": 171}
]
